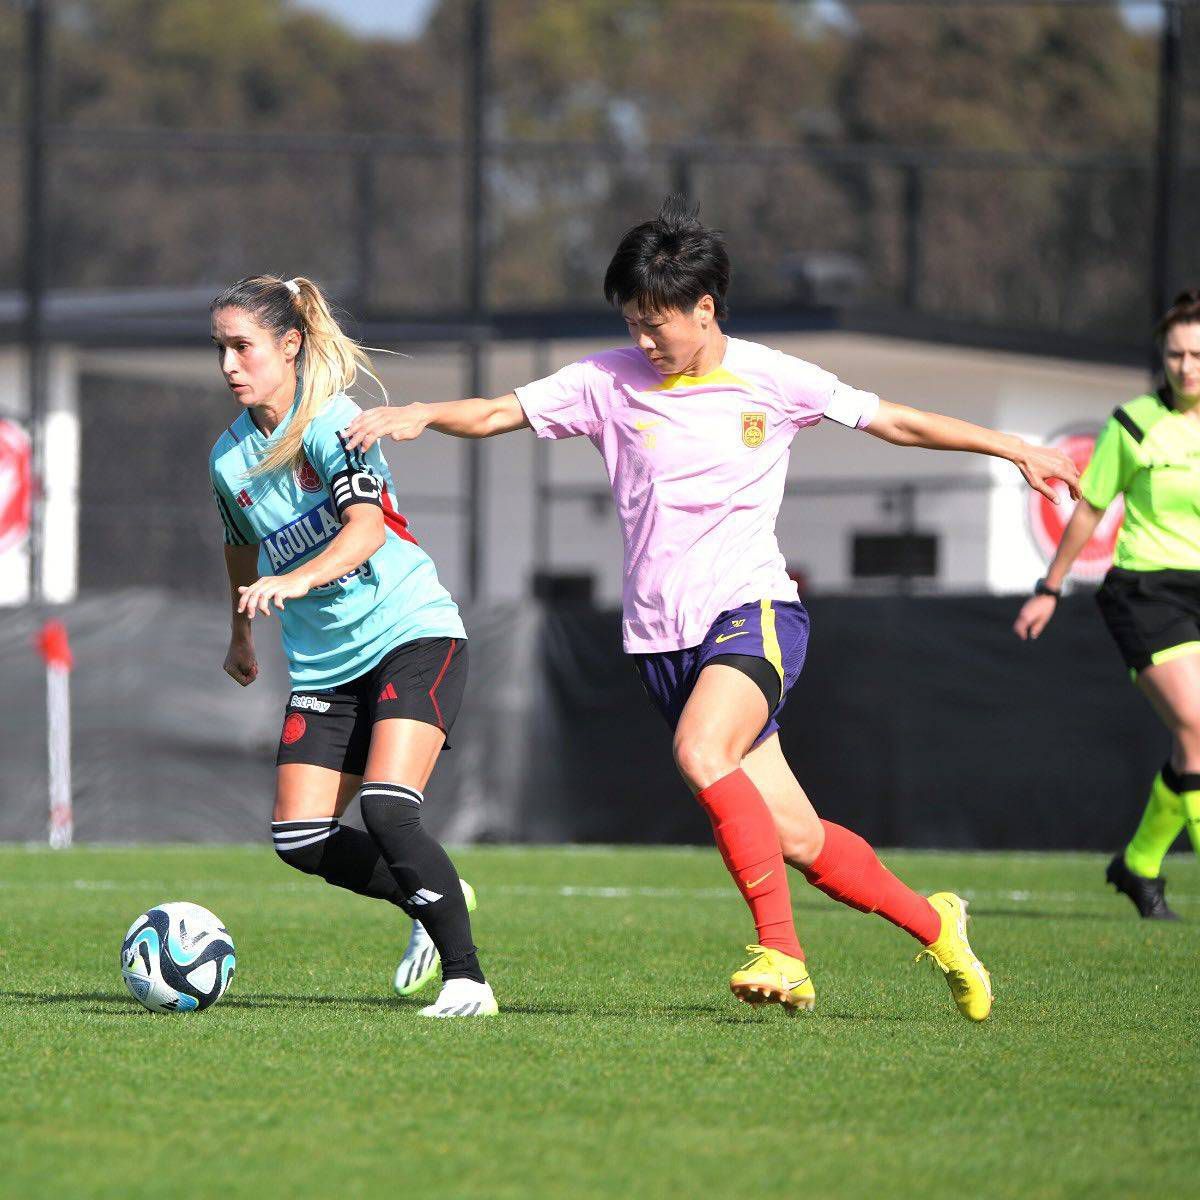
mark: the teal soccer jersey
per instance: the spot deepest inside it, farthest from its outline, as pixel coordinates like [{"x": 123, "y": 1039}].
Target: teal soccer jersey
[{"x": 341, "y": 630}]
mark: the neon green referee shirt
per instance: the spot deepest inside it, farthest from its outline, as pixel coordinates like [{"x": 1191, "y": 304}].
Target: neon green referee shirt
[{"x": 1151, "y": 453}]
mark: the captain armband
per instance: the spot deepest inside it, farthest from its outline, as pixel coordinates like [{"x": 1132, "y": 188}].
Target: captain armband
[
  {"x": 355, "y": 487},
  {"x": 850, "y": 407}
]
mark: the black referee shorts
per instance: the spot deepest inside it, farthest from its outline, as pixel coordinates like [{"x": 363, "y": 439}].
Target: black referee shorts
[
  {"x": 422, "y": 680},
  {"x": 1153, "y": 615}
]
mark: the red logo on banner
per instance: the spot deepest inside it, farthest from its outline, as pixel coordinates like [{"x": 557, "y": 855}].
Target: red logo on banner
[
  {"x": 307, "y": 477},
  {"x": 16, "y": 485},
  {"x": 1047, "y": 521},
  {"x": 293, "y": 728}
]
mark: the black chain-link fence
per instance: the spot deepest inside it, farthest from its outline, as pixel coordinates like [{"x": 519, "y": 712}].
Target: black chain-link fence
[{"x": 978, "y": 162}]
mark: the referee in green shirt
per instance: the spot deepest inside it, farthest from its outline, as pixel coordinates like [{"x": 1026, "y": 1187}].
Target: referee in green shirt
[{"x": 1149, "y": 452}]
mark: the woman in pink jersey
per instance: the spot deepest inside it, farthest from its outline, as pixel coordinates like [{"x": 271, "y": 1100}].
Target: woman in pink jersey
[{"x": 695, "y": 429}]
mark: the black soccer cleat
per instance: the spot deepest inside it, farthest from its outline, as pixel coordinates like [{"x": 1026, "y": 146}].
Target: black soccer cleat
[{"x": 1146, "y": 894}]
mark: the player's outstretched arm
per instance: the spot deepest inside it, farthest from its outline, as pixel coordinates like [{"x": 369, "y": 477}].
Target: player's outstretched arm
[
  {"x": 1036, "y": 612},
  {"x": 361, "y": 535},
  {"x": 476, "y": 418},
  {"x": 904, "y": 426},
  {"x": 241, "y": 663}
]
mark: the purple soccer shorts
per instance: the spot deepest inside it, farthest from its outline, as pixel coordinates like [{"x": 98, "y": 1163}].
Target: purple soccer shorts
[{"x": 767, "y": 640}]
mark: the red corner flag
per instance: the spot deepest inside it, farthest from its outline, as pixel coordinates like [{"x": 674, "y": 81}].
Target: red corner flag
[{"x": 53, "y": 645}]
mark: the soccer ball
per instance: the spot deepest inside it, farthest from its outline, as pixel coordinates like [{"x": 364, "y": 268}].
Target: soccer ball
[{"x": 177, "y": 957}]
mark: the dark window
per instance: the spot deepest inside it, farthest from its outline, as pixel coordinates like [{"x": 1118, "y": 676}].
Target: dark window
[{"x": 907, "y": 555}]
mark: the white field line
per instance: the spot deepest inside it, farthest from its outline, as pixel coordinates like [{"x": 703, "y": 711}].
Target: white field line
[
  {"x": 564, "y": 891},
  {"x": 569, "y": 849}
]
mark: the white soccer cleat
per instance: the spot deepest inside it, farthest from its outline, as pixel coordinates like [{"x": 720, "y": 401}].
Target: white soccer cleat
[
  {"x": 419, "y": 964},
  {"x": 463, "y": 998},
  {"x": 421, "y": 958}
]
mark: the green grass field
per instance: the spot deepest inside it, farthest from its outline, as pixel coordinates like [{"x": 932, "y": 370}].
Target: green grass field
[{"x": 620, "y": 1064}]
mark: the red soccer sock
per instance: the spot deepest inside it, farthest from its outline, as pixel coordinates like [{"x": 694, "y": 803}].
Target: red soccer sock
[
  {"x": 848, "y": 870},
  {"x": 749, "y": 844}
]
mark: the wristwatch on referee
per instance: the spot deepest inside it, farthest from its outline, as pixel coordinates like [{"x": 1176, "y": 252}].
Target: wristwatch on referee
[{"x": 1042, "y": 588}]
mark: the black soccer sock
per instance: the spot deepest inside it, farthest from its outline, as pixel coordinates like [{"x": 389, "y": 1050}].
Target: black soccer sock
[
  {"x": 424, "y": 873},
  {"x": 339, "y": 854}
]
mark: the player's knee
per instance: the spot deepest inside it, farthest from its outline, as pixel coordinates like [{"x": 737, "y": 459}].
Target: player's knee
[
  {"x": 801, "y": 842},
  {"x": 389, "y": 808},
  {"x": 702, "y": 762},
  {"x": 1187, "y": 735},
  {"x": 302, "y": 844}
]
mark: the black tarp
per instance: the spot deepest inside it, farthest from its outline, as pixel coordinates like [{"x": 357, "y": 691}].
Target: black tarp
[{"x": 918, "y": 722}]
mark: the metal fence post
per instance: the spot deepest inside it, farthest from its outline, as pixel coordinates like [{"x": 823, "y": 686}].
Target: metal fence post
[
  {"x": 914, "y": 204},
  {"x": 364, "y": 217},
  {"x": 478, "y": 32},
  {"x": 35, "y": 200},
  {"x": 682, "y": 180},
  {"x": 543, "y": 498},
  {"x": 1167, "y": 153}
]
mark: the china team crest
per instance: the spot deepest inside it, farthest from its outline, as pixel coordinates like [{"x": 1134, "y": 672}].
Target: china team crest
[
  {"x": 307, "y": 477},
  {"x": 754, "y": 429}
]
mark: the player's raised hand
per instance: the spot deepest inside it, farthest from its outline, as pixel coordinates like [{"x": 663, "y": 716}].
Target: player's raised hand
[
  {"x": 241, "y": 663},
  {"x": 1040, "y": 464},
  {"x": 401, "y": 424},
  {"x": 1034, "y": 616},
  {"x": 270, "y": 589}
]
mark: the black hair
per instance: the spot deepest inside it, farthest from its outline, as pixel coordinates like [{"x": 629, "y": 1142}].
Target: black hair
[
  {"x": 669, "y": 263},
  {"x": 1183, "y": 311}
]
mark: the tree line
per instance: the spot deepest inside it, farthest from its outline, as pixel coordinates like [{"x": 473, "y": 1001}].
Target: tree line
[{"x": 1056, "y": 244}]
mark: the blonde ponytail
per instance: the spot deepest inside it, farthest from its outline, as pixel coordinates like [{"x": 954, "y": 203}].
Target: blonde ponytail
[{"x": 329, "y": 362}]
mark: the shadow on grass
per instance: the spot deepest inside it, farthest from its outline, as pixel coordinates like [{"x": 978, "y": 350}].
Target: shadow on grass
[
  {"x": 1035, "y": 914},
  {"x": 119, "y": 1004},
  {"x": 66, "y": 997},
  {"x": 868, "y": 1018},
  {"x": 717, "y": 1012}
]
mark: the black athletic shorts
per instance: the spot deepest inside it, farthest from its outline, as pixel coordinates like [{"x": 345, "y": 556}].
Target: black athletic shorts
[
  {"x": 422, "y": 680},
  {"x": 1152, "y": 615}
]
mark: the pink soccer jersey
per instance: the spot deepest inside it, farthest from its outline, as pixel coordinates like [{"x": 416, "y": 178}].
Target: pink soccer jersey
[{"x": 697, "y": 467}]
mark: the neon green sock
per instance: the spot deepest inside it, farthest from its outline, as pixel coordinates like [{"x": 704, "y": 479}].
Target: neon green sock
[
  {"x": 1161, "y": 824},
  {"x": 1191, "y": 809}
]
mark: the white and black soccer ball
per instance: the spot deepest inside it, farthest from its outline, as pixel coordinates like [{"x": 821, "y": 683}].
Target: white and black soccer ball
[{"x": 177, "y": 957}]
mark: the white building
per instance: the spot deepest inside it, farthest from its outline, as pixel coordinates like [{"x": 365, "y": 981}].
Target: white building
[{"x": 975, "y": 511}]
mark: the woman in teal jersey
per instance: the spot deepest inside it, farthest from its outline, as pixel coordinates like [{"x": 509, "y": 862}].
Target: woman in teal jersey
[
  {"x": 1149, "y": 452},
  {"x": 375, "y": 645}
]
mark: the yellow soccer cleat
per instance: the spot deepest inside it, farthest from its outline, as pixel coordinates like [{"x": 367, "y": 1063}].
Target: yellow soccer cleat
[
  {"x": 772, "y": 977},
  {"x": 970, "y": 983}
]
